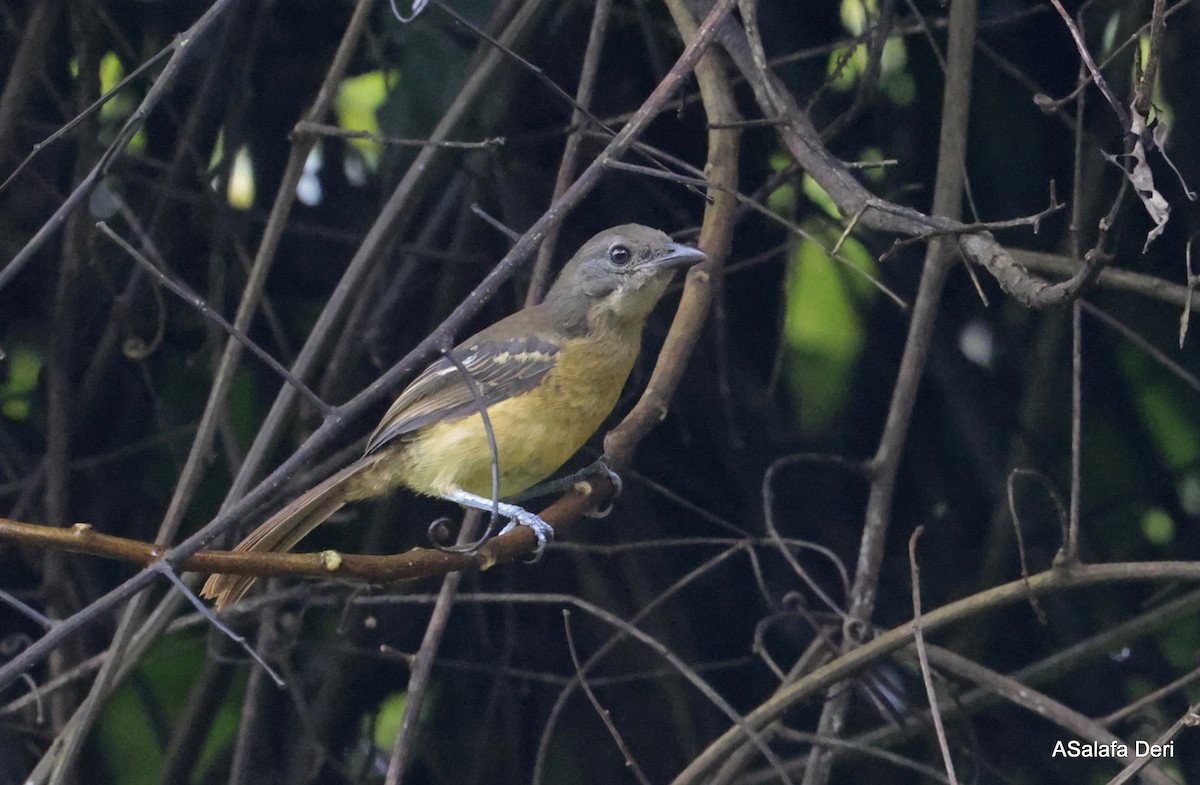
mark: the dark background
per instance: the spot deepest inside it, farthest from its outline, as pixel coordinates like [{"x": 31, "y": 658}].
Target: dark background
[{"x": 799, "y": 356}]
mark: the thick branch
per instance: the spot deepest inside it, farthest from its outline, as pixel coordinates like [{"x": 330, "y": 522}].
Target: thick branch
[
  {"x": 804, "y": 143},
  {"x": 852, "y": 663},
  {"x": 416, "y": 563}
]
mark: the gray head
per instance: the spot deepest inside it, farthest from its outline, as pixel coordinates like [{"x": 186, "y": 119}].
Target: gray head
[{"x": 618, "y": 274}]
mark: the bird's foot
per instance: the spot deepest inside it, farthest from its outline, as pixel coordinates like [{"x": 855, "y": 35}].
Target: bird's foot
[
  {"x": 564, "y": 484},
  {"x": 517, "y": 516},
  {"x": 601, "y": 466}
]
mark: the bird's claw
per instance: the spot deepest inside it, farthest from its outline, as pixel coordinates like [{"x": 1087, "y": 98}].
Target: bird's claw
[
  {"x": 543, "y": 531},
  {"x": 598, "y": 467},
  {"x": 516, "y": 514}
]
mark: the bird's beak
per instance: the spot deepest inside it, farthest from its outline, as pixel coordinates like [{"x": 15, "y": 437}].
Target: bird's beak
[{"x": 678, "y": 255}]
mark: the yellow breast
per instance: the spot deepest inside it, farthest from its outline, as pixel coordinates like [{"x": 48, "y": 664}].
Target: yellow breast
[{"x": 536, "y": 433}]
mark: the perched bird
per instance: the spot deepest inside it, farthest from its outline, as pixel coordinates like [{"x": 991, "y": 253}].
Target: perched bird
[{"x": 548, "y": 376}]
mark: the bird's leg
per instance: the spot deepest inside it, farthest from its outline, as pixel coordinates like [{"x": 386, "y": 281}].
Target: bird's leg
[
  {"x": 516, "y": 515},
  {"x": 563, "y": 484}
]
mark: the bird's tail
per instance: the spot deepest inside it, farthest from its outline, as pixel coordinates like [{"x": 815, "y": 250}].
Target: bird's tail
[{"x": 284, "y": 529}]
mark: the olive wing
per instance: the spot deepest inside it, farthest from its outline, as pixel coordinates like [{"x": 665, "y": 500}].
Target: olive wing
[{"x": 500, "y": 368}]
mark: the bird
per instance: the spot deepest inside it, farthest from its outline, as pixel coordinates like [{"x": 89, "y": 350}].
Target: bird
[{"x": 548, "y": 376}]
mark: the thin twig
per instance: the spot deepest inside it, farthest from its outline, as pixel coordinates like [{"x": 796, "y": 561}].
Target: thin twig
[
  {"x": 182, "y": 291},
  {"x": 495, "y": 223},
  {"x": 1081, "y": 46},
  {"x": 567, "y": 164},
  {"x": 180, "y": 49},
  {"x": 610, "y": 645},
  {"x": 95, "y": 106},
  {"x": 1156, "y": 354},
  {"x": 605, "y": 716},
  {"x": 321, "y": 129},
  {"x": 1034, "y": 221},
  {"x": 206, "y": 612},
  {"x": 1151, "y": 697},
  {"x": 426, "y": 656},
  {"x": 1189, "y": 719},
  {"x": 767, "y": 494},
  {"x": 855, "y": 661},
  {"x": 1016, "y": 521},
  {"x": 766, "y": 212},
  {"x": 1037, "y": 703},
  {"x": 41, "y": 619},
  {"x": 1070, "y": 549},
  {"x": 923, "y": 656},
  {"x": 539, "y": 73}
]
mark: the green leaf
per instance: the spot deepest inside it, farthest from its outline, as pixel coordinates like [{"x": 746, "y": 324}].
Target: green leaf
[
  {"x": 846, "y": 65},
  {"x": 1158, "y": 526},
  {"x": 127, "y": 739},
  {"x": 241, "y": 181},
  {"x": 819, "y": 197},
  {"x": 357, "y": 104},
  {"x": 389, "y": 718},
  {"x": 1169, "y": 420},
  {"x": 782, "y": 201},
  {"x": 823, "y": 329},
  {"x": 24, "y": 366}
]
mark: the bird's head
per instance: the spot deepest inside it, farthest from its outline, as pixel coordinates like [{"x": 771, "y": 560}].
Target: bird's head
[{"x": 618, "y": 275}]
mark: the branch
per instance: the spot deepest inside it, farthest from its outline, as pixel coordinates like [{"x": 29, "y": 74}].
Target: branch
[
  {"x": 1038, "y": 703},
  {"x": 854, "y": 662},
  {"x": 716, "y": 236},
  {"x": 410, "y": 565},
  {"x": 181, "y": 49},
  {"x": 804, "y": 143}
]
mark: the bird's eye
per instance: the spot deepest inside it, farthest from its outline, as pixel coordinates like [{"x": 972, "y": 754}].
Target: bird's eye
[{"x": 619, "y": 255}]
